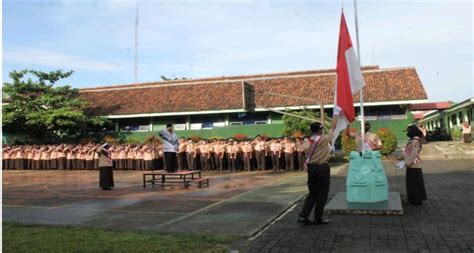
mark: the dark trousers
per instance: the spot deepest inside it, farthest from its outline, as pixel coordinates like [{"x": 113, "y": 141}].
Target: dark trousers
[
  {"x": 203, "y": 161},
  {"x": 182, "y": 160},
  {"x": 415, "y": 185},
  {"x": 190, "y": 160},
  {"x": 289, "y": 161},
  {"x": 106, "y": 177},
  {"x": 301, "y": 159},
  {"x": 260, "y": 157},
  {"x": 276, "y": 161},
  {"x": 319, "y": 179},
  {"x": 170, "y": 161}
]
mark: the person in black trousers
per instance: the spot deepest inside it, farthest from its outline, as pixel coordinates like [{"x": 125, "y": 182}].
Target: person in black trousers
[
  {"x": 317, "y": 156},
  {"x": 106, "y": 170},
  {"x": 170, "y": 148}
]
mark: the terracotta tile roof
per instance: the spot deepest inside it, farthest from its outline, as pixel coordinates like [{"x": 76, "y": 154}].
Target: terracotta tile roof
[
  {"x": 225, "y": 92},
  {"x": 431, "y": 106}
]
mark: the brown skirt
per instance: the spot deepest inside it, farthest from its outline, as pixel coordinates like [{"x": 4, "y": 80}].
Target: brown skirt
[{"x": 466, "y": 138}]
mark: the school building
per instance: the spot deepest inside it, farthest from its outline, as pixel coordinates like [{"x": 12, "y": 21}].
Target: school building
[
  {"x": 450, "y": 118},
  {"x": 213, "y": 107}
]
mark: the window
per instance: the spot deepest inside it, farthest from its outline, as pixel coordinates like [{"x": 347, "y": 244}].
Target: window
[
  {"x": 260, "y": 122},
  {"x": 235, "y": 123}
]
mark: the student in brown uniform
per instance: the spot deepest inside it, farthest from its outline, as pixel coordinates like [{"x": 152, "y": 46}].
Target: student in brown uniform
[
  {"x": 275, "y": 149},
  {"x": 18, "y": 158},
  {"x": 61, "y": 157},
  {"x": 6, "y": 157},
  {"x": 131, "y": 158},
  {"x": 190, "y": 154},
  {"x": 415, "y": 185},
  {"x": 106, "y": 171},
  {"x": 204, "y": 154},
  {"x": 300, "y": 147},
  {"x": 29, "y": 156},
  {"x": 259, "y": 145},
  {"x": 289, "y": 150},
  {"x": 182, "y": 154},
  {"x": 231, "y": 155},
  {"x": 371, "y": 140},
  {"x": 317, "y": 157},
  {"x": 247, "y": 155},
  {"x": 53, "y": 158},
  {"x": 219, "y": 148},
  {"x": 466, "y": 132},
  {"x": 148, "y": 158}
]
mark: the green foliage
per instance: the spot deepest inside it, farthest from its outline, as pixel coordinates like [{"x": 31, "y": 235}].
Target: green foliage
[
  {"x": 456, "y": 133},
  {"x": 51, "y": 239},
  {"x": 389, "y": 141},
  {"x": 298, "y": 126},
  {"x": 132, "y": 141},
  {"x": 348, "y": 143},
  {"x": 215, "y": 137},
  {"x": 38, "y": 109}
]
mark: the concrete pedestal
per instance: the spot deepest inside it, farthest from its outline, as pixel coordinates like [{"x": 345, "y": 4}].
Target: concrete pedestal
[{"x": 339, "y": 205}]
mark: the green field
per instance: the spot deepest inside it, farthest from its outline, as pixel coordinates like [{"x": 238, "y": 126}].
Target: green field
[{"x": 44, "y": 238}]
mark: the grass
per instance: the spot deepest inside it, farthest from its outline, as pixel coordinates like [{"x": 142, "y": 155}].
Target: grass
[{"x": 46, "y": 238}]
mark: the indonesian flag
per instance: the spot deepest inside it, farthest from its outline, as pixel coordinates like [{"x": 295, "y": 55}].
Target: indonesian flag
[{"x": 348, "y": 82}]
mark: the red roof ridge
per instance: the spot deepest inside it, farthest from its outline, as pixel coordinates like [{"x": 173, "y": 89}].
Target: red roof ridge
[{"x": 290, "y": 74}]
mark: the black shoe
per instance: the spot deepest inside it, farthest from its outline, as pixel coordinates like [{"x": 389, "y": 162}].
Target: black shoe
[
  {"x": 322, "y": 221},
  {"x": 305, "y": 221},
  {"x": 106, "y": 188}
]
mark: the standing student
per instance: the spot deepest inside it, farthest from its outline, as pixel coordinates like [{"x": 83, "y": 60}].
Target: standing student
[
  {"x": 275, "y": 149},
  {"x": 371, "y": 140},
  {"x": 170, "y": 147},
  {"x": 259, "y": 144},
  {"x": 317, "y": 157},
  {"x": 466, "y": 132},
  {"x": 182, "y": 154},
  {"x": 289, "y": 149},
  {"x": 247, "y": 155},
  {"x": 415, "y": 185},
  {"x": 300, "y": 147},
  {"x": 219, "y": 148},
  {"x": 204, "y": 154},
  {"x": 190, "y": 154},
  {"x": 106, "y": 171}
]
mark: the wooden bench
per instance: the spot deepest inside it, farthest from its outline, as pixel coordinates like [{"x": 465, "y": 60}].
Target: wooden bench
[{"x": 200, "y": 181}]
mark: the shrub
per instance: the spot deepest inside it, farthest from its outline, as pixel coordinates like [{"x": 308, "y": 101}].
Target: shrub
[
  {"x": 389, "y": 141},
  {"x": 455, "y": 133},
  {"x": 215, "y": 137},
  {"x": 240, "y": 137},
  {"x": 132, "y": 141},
  {"x": 348, "y": 143}
]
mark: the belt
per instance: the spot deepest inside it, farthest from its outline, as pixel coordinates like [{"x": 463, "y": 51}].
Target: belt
[{"x": 317, "y": 164}]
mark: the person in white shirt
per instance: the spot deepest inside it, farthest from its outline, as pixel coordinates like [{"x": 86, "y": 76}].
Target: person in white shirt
[{"x": 170, "y": 147}]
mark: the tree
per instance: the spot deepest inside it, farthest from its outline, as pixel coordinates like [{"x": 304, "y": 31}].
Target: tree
[
  {"x": 37, "y": 109},
  {"x": 296, "y": 126}
]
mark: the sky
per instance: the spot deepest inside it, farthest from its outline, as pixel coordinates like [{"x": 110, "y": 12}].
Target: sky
[{"x": 196, "y": 39}]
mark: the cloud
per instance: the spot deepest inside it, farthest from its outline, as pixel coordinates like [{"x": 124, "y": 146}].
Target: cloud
[{"x": 48, "y": 58}]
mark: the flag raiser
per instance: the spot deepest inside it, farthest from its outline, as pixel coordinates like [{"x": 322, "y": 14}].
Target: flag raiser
[{"x": 349, "y": 80}]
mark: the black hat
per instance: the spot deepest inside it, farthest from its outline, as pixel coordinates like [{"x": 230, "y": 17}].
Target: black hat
[{"x": 315, "y": 127}]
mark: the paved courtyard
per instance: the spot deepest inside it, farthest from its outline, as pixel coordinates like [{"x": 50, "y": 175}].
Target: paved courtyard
[
  {"x": 445, "y": 223},
  {"x": 260, "y": 206},
  {"x": 235, "y": 203}
]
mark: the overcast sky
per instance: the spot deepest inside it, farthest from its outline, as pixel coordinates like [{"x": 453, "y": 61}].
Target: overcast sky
[{"x": 217, "y": 38}]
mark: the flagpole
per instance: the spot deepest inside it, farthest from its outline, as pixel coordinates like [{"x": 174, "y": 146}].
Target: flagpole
[{"x": 361, "y": 94}]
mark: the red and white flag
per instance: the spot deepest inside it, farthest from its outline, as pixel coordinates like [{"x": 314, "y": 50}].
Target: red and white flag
[{"x": 348, "y": 82}]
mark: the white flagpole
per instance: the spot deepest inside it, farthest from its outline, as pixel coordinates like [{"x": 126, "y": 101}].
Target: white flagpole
[{"x": 361, "y": 95}]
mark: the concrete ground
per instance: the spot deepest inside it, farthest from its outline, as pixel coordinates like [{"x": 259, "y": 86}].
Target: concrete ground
[
  {"x": 261, "y": 206},
  {"x": 235, "y": 203},
  {"x": 444, "y": 223}
]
